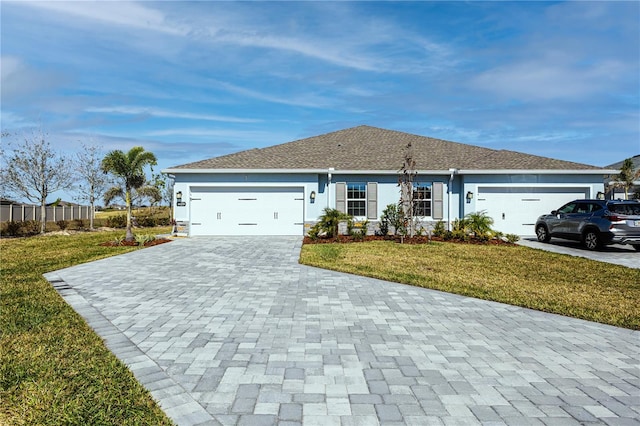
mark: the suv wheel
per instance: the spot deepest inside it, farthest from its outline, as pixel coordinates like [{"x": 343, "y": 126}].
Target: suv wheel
[
  {"x": 591, "y": 239},
  {"x": 543, "y": 234}
]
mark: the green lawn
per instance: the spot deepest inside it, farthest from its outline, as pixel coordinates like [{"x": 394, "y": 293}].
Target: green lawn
[
  {"x": 516, "y": 275},
  {"x": 53, "y": 368}
]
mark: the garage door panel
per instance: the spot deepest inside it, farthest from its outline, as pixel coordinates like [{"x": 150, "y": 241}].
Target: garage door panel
[
  {"x": 515, "y": 209},
  {"x": 247, "y": 211}
]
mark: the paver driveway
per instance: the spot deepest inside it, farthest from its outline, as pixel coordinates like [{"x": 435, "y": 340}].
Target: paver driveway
[{"x": 234, "y": 331}]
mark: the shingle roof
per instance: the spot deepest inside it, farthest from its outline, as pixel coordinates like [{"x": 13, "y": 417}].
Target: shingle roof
[{"x": 372, "y": 148}]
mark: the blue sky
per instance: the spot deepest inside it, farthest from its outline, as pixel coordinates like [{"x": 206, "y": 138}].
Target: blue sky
[{"x": 194, "y": 80}]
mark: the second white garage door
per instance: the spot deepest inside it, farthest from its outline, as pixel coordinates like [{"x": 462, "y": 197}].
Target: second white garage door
[
  {"x": 515, "y": 209},
  {"x": 247, "y": 211}
]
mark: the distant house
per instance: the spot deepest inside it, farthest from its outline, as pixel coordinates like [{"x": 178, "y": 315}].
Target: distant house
[
  {"x": 614, "y": 192},
  {"x": 283, "y": 189},
  {"x": 63, "y": 204}
]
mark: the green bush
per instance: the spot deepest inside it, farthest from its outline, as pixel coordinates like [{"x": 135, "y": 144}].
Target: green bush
[
  {"x": 392, "y": 215},
  {"x": 328, "y": 222},
  {"x": 358, "y": 230},
  {"x": 479, "y": 224},
  {"x": 147, "y": 221},
  {"x": 512, "y": 238},
  {"x": 119, "y": 221},
  {"x": 12, "y": 229},
  {"x": 79, "y": 224},
  {"x": 143, "y": 239},
  {"x": 439, "y": 229},
  {"x": 30, "y": 227},
  {"x": 163, "y": 221},
  {"x": 62, "y": 224}
]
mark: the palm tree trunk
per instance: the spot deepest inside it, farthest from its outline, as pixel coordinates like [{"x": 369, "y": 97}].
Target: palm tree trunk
[{"x": 129, "y": 236}]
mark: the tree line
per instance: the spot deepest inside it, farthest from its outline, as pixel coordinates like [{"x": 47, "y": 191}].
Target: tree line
[{"x": 32, "y": 169}]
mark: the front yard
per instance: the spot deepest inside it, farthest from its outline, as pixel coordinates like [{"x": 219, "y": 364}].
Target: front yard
[
  {"x": 53, "y": 368},
  {"x": 516, "y": 275}
]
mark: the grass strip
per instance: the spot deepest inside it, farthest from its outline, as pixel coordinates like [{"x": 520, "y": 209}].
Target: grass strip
[
  {"x": 520, "y": 276},
  {"x": 54, "y": 369}
]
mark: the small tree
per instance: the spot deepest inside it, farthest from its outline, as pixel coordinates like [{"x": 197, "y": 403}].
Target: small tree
[
  {"x": 33, "y": 170},
  {"x": 405, "y": 182},
  {"x": 128, "y": 169},
  {"x": 93, "y": 181},
  {"x": 393, "y": 216}
]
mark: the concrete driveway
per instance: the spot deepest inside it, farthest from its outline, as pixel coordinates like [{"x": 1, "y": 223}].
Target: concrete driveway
[
  {"x": 233, "y": 331},
  {"x": 617, "y": 254}
]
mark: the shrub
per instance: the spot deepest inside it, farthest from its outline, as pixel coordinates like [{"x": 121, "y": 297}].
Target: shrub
[
  {"x": 512, "y": 238},
  {"x": 439, "y": 229},
  {"x": 458, "y": 225},
  {"x": 119, "y": 221},
  {"x": 358, "y": 230},
  {"x": 12, "y": 229},
  {"x": 143, "y": 239},
  {"x": 479, "y": 223},
  {"x": 62, "y": 224},
  {"x": 79, "y": 224},
  {"x": 147, "y": 221},
  {"x": 163, "y": 221},
  {"x": 30, "y": 227},
  {"x": 328, "y": 222},
  {"x": 392, "y": 215}
]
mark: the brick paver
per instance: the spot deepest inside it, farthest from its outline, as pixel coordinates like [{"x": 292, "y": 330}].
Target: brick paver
[{"x": 233, "y": 331}]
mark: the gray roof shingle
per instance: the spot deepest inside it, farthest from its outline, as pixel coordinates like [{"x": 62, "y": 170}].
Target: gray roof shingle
[{"x": 372, "y": 148}]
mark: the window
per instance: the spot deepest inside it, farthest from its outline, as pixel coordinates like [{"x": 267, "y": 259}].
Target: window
[
  {"x": 421, "y": 199},
  {"x": 357, "y": 199},
  {"x": 567, "y": 208}
]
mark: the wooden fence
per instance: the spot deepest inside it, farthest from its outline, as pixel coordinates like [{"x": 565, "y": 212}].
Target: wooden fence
[{"x": 24, "y": 212}]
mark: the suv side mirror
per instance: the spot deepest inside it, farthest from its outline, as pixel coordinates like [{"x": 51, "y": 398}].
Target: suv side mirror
[{"x": 554, "y": 212}]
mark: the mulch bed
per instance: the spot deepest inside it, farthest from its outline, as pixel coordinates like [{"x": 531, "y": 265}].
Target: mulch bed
[
  {"x": 406, "y": 240},
  {"x": 135, "y": 243}
]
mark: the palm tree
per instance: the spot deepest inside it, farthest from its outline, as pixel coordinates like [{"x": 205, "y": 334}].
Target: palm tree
[
  {"x": 128, "y": 168},
  {"x": 479, "y": 223},
  {"x": 626, "y": 176}
]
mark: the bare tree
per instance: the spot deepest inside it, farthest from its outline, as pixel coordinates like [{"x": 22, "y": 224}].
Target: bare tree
[
  {"x": 405, "y": 182},
  {"x": 93, "y": 181},
  {"x": 33, "y": 170}
]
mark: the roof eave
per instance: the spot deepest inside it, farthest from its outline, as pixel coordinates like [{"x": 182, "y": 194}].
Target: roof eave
[
  {"x": 394, "y": 172},
  {"x": 536, "y": 171},
  {"x": 297, "y": 171}
]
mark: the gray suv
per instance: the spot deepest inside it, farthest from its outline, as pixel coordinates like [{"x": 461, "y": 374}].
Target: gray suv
[{"x": 593, "y": 222}]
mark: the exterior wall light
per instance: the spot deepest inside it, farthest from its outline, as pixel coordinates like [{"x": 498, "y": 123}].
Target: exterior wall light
[
  {"x": 179, "y": 196},
  {"x": 312, "y": 197},
  {"x": 600, "y": 195},
  {"x": 469, "y": 196}
]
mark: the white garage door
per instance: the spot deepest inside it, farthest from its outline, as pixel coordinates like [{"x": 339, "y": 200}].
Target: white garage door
[
  {"x": 515, "y": 209},
  {"x": 247, "y": 211}
]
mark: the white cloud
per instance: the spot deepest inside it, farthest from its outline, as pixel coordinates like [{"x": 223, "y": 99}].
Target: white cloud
[
  {"x": 157, "y": 112},
  {"x": 546, "y": 79},
  {"x": 19, "y": 79},
  {"x": 307, "y": 100},
  {"x": 121, "y": 13}
]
